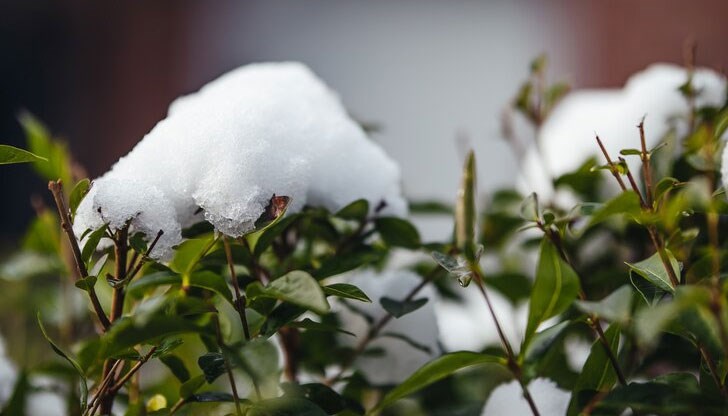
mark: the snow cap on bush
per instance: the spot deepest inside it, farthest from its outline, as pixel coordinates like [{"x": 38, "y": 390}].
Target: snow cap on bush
[
  {"x": 224, "y": 151},
  {"x": 566, "y": 139},
  {"x": 400, "y": 358}
]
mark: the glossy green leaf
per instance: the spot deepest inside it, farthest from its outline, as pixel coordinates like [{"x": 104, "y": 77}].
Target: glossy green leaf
[
  {"x": 86, "y": 283},
  {"x": 82, "y": 376},
  {"x": 311, "y": 325},
  {"x": 92, "y": 241},
  {"x": 435, "y": 370},
  {"x": 626, "y": 203},
  {"x": 616, "y": 307},
  {"x": 10, "y": 155},
  {"x": 299, "y": 288},
  {"x": 555, "y": 288},
  {"x": 346, "y": 291},
  {"x": 175, "y": 364},
  {"x": 598, "y": 373},
  {"x": 285, "y": 406},
  {"x": 357, "y": 210},
  {"x": 79, "y": 191},
  {"x": 398, "y": 232},
  {"x": 212, "y": 365},
  {"x": 653, "y": 270},
  {"x": 400, "y": 308}
]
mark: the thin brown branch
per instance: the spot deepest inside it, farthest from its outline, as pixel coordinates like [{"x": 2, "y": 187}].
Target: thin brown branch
[
  {"x": 56, "y": 188},
  {"x": 592, "y": 320},
  {"x": 646, "y": 166},
  {"x": 240, "y": 300},
  {"x": 378, "y": 326},
  {"x": 140, "y": 263},
  {"x": 119, "y": 384},
  {"x": 612, "y": 167},
  {"x": 228, "y": 368},
  {"x": 513, "y": 365}
]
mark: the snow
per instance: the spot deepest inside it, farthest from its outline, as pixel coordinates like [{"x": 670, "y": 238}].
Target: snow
[
  {"x": 400, "y": 359},
  {"x": 566, "y": 139},
  {"x": 507, "y": 399},
  {"x": 259, "y": 130}
]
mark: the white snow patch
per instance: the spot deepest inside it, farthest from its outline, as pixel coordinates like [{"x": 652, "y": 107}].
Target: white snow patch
[
  {"x": 567, "y": 138},
  {"x": 507, "y": 399},
  {"x": 259, "y": 130}
]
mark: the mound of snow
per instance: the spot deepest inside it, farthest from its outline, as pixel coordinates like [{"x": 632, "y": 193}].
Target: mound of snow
[
  {"x": 223, "y": 152},
  {"x": 566, "y": 140}
]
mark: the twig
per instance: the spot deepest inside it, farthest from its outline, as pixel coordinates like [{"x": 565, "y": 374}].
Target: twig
[
  {"x": 139, "y": 265},
  {"x": 56, "y": 188},
  {"x": 646, "y": 168},
  {"x": 240, "y": 300},
  {"x": 612, "y": 166},
  {"x": 95, "y": 402},
  {"x": 228, "y": 368},
  {"x": 119, "y": 384},
  {"x": 592, "y": 320},
  {"x": 512, "y": 362},
  {"x": 377, "y": 327}
]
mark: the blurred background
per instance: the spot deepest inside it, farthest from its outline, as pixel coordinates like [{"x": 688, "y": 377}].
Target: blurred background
[{"x": 434, "y": 75}]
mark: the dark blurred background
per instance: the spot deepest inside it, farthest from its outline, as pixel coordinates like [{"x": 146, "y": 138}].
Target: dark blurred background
[{"x": 101, "y": 74}]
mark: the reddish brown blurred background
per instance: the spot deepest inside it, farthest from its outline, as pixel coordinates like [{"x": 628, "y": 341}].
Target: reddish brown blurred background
[{"x": 102, "y": 73}]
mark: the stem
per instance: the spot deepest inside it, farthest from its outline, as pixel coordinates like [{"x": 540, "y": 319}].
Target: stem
[
  {"x": 240, "y": 300},
  {"x": 228, "y": 368},
  {"x": 512, "y": 362},
  {"x": 612, "y": 167},
  {"x": 646, "y": 168},
  {"x": 377, "y": 327},
  {"x": 592, "y": 320},
  {"x": 139, "y": 264},
  {"x": 95, "y": 402},
  {"x": 56, "y": 189},
  {"x": 120, "y": 252},
  {"x": 119, "y": 384}
]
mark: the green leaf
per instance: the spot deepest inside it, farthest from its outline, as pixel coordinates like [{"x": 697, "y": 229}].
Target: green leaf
[
  {"x": 15, "y": 405},
  {"x": 166, "y": 277},
  {"x": 189, "y": 387},
  {"x": 211, "y": 397},
  {"x": 435, "y": 370},
  {"x": 212, "y": 365},
  {"x": 211, "y": 281},
  {"x": 285, "y": 406},
  {"x": 653, "y": 270},
  {"x": 356, "y": 211},
  {"x": 529, "y": 209},
  {"x": 397, "y": 232},
  {"x": 346, "y": 291},
  {"x": 630, "y": 152},
  {"x": 299, "y": 288},
  {"x": 311, "y": 325},
  {"x": 465, "y": 214},
  {"x": 79, "y": 191},
  {"x": 401, "y": 308},
  {"x": 614, "y": 308},
  {"x": 542, "y": 341},
  {"x": 598, "y": 373},
  {"x": 126, "y": 333},
  {"x": 626, "y": 203},
  {"x": 82, "y": 384},
  {"x": 555, "y": 288},
  {"x": 262, "y": 239},
  {"x": 321, "y": 395},
  {"x": 92, "y": 241},
  {"x": 40, "y": 142},
  {"x": 10, "y": 155},
  {"x": 87, "y": 283},
  {"x": 176, "y": 366},
  {"x": 189, "y": 253},
  {"x": 258, "y": 358}
]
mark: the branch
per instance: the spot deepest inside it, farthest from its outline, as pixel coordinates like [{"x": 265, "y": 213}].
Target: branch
[{"x": 56, "y": 189}]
